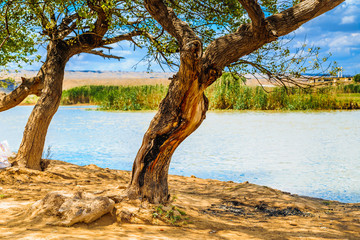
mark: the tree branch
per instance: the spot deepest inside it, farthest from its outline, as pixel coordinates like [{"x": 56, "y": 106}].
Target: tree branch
[
  {"x": 40, "y": 14},
  {"x": 279, "y": 79},
  {"x": 104, "y": 55},
  {"x": 229, "y": 48},
  {"x": 101, "y": 24},
  {"x": 255, "y": 13},
  {"x": 166, "y": 17},
  {"x": 127, "y": 36},
  {"x": 64, "y": 28},
  {"x": 28, "y": 86},
  {"x": 65, "y": 32},
  {"x": 291, "y": 19}
]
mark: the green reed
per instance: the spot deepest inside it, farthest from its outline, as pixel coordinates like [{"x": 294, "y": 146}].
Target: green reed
[{"x": 227, "y": 92}]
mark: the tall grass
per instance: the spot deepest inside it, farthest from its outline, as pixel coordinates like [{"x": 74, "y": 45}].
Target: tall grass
[
  {"x": 226, "y": 93},
  {"x": 117, "y": 97},
  {"x": 351, "y": 88},
  {"x": 229, "y": 93}
]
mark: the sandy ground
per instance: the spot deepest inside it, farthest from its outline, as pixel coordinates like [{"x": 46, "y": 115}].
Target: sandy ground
[{"x": 214, "y": 209}]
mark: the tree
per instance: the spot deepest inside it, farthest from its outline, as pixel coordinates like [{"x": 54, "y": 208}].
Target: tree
[
  {"x": 69, "y": 27},
  {"x": 357, "y": 78},
  {"x": 183, "y": 109}
]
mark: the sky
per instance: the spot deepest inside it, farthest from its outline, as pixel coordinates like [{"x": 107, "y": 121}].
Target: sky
[{"x": 337, "y": 31}]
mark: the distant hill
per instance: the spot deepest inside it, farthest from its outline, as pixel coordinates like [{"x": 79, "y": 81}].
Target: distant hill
[{"x": 89, "y": 77}]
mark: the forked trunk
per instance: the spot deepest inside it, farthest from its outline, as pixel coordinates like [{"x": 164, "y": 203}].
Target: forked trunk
[
  {"x": 32, "y": 145},
  {"x": 180, "y": 114}
]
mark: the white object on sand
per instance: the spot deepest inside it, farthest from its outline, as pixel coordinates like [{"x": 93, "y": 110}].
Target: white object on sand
[{"x": 5, "y": 153}]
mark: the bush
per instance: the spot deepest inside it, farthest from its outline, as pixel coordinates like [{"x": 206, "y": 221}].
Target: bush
[{"x": 357, "y": 78}]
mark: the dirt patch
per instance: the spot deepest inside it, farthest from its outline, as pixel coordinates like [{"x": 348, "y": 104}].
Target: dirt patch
[{"x": 200, "y": 209}]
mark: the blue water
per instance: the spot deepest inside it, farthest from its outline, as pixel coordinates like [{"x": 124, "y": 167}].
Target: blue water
[{"x": 308, "y": 153}]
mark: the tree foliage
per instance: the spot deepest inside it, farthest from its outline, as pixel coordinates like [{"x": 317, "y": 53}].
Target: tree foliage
[
  {"x": 357, "y": 78},
  {"x": 18, "y": 36},
  {"x": 210, "y": 19}
]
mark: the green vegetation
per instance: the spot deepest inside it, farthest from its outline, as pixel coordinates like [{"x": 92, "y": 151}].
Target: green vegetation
[
  {"x": 6, "y": 83},
  {"x": 117, "y": 97},
  {"x": 2, "y": 196},
  {"x": 18, "y": 40},
  {"x": 357, "y": 78},
  {"x": 171, "y": 214},
  {"x": 227, "y": 93}
]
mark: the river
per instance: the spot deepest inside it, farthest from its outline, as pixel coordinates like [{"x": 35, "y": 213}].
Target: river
[{"x": 307, "y": 153}]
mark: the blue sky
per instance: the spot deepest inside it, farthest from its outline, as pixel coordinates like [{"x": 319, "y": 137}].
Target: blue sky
[{"x": 337, "y": 31}]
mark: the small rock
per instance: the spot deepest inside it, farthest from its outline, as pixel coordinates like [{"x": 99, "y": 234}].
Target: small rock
[{"x": 192, "y": 176}]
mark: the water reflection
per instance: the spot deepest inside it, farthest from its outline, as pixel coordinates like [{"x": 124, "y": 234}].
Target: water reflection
[{"x": 308, "y": 153}]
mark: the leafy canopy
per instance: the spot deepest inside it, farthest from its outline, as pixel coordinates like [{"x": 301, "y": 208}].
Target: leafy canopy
[{"x": 18, "y": 37}]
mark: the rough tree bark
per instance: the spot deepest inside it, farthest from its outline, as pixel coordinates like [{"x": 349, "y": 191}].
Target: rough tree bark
[
  {"x": 31, "y": 148},
  {"x": 184, "y": 108},
  {"x": 28, "y": 86}
]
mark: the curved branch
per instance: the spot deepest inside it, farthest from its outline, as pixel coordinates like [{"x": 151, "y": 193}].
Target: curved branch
[
  {"x": 104, "y": 55},
  {"x": 255, "y": 13},
  {"x": 279, "y": 79},
  {"x": 229, "y": 48},
  {"x": 291, "y": 19},
  {"x": 28, "y": 86},
  {"x": 65, "y": 28},
  {"x": 101, "y": 24},
  {"x": 127, "y": 36},
  {"x": 166, "y": 17}
]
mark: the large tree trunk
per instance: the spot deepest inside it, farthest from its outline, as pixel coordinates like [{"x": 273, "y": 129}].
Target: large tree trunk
[
  {"x": 180, "y": 113},
  {"x": 32, "y": 145}
]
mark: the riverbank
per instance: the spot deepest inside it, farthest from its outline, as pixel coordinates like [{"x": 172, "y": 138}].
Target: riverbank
[
  {"x": 210, "y": 209},
  {"x": 226, "y": 94}
]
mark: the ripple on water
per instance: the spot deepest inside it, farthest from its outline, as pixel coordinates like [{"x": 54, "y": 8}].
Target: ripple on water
[{"x": 308, "y": 153}]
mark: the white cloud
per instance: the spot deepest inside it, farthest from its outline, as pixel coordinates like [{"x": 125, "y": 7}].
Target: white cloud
[
  {"x": 78, "y": 57},
  {"x": 348, "y": 20},
  {"x": 352, "y": 40},
  {"x": 301, "y": 29},
  {"x": 352, "y": 2},
  {"x": 121, "y": 53}
]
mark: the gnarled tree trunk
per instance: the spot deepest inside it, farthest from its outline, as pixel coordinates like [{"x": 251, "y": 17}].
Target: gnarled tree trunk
[
  {"x": 31, "y": 148},
  {"x": 180, "y": 114}
]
